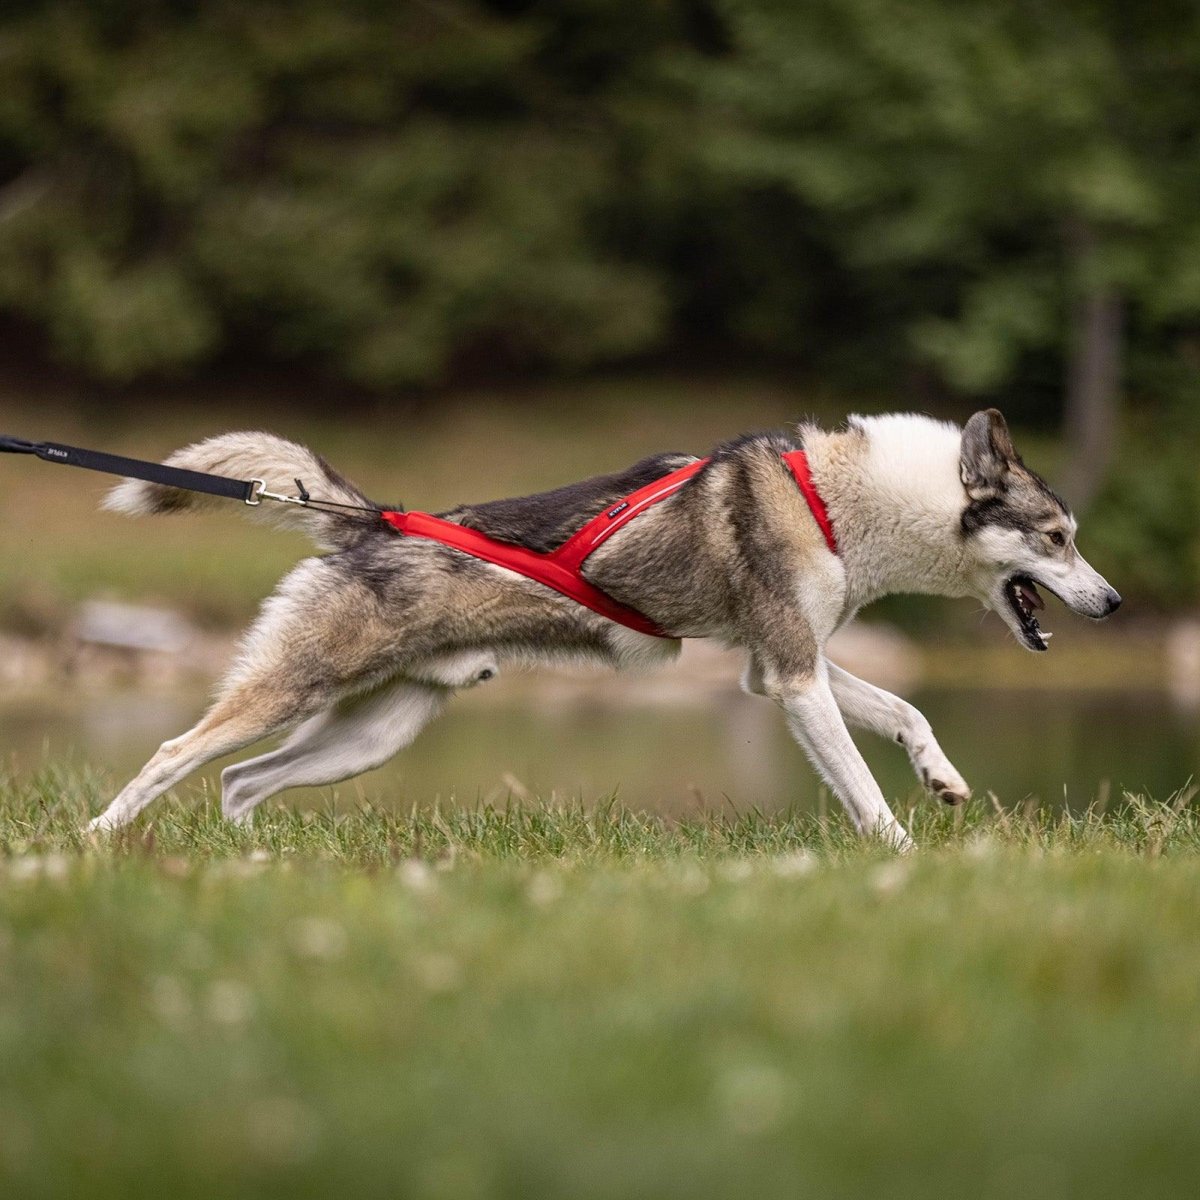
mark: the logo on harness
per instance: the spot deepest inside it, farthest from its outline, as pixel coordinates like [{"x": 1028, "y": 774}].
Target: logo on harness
[
  {"x": 55, "y": 453},
  {"x": 616, "y": 512}
]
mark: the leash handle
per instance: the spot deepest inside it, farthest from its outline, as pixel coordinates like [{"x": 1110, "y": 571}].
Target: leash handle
[{"x": 135, "y": 468}]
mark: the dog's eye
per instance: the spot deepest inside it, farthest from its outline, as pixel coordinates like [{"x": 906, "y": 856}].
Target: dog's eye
[{"x": 1057, "y": 538}]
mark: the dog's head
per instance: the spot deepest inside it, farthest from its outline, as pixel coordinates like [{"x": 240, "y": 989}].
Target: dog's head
[{"x": 1019, "y": 536}]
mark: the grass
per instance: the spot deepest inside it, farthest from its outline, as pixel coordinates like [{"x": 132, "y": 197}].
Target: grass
[
  {"x": 547, "y": 1002},
  {"x": 535, "y": 1001}
]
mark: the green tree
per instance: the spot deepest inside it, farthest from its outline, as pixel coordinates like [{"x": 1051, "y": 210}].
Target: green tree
[
  {"x": 384, "y": 190},
  {"x": 1000, "y": 182}
]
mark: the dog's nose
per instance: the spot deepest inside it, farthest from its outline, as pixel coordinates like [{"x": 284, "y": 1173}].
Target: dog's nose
[{"x": 1114, "y": 602}]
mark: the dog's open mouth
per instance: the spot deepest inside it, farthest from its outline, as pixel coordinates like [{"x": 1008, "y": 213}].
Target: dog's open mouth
[{"x": 1025, "y": 599}]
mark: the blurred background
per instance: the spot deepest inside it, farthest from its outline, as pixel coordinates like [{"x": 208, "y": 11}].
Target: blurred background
[{"x": 469, "y": 249}]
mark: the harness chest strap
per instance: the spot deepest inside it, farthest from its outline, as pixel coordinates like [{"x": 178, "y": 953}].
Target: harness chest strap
[
  {"x": 797, "y": 462},
  {"x": 561, "y": 569}
]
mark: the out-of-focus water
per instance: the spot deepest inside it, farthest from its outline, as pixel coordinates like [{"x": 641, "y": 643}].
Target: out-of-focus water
[{"x": 734, "y": 752}]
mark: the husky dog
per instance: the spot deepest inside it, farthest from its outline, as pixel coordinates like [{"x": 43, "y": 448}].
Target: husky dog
[{"x": 359, "y": 648}]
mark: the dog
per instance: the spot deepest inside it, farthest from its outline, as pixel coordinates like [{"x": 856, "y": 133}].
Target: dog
[{"x": 359, "y": 648}]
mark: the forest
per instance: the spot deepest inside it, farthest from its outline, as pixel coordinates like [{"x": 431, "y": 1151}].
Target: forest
[{"x": 927, "y": 202}]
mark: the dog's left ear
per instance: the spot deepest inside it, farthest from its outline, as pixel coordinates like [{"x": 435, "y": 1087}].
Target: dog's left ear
[{"x": 987, "y": 455}]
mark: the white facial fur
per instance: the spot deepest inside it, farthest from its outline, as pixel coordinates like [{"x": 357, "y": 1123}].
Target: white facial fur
[
  {"x": 902, "y": 526},
  {"x": 1001, "y": 553}
]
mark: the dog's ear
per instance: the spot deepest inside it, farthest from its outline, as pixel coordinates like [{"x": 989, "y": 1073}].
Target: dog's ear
[{"x": 987, "y": 455}]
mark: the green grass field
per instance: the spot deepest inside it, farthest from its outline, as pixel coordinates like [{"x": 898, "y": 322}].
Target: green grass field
[{"x": 543, "y": 1002}]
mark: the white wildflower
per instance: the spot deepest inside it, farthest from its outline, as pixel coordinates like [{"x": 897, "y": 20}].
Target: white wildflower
[
  {"x": 795, "y": 865},
  {"x": 230, "y": 1002},
  {"x": 890, "y": 877},
  {"x": 318, "y": 938},
  {"x": 416, "y": 875},
  {"x": 544, "y": 889},
  {"x": 736, "y": 870},
  {"x": 28, "y": 867}
]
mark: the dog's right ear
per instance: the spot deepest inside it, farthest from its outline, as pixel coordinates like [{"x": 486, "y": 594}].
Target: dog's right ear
[{"x": 987, "y": 455}]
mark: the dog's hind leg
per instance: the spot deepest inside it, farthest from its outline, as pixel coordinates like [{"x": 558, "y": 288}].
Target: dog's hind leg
[
  {"x": 868, "y": 707},
  {"x": 355, "y": 736},
  {"x": 317, "y": 641},
  {"x": 246, "y": 715}
]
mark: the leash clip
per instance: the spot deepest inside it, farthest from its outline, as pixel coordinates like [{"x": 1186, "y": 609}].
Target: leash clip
[{"x": 259, "y": 493}]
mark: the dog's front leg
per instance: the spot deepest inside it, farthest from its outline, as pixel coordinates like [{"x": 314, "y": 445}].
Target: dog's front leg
[
  {"x": 868, "y": 707},
  {"x": 817, "y": 724}
]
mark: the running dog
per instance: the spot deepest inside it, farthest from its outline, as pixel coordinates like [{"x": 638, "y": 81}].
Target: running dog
[{"x": 359, "y": 648}]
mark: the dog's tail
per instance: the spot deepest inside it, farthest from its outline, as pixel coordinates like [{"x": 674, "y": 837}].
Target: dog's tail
[{"x": 276, "y": 461}]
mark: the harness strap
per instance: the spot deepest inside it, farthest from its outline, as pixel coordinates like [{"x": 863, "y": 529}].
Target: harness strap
[
  {"x": 544, "y": 568},
  {"x": 580, "y": 546},
  {"x": 561, "y": 569},
  {"x": 797, "y": 462}
]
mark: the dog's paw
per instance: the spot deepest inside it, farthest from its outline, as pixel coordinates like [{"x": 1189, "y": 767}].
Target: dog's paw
[
  {"x": 949, "y": 794},
  {"x": 100, "y": 824},
  {"x": 944, "y": 782}
]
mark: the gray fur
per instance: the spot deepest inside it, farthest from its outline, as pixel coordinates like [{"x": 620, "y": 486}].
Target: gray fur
[
  {"x": 245, "y": 456},
  {"x": 544, "y": 521},
  {"x": 1002, "y": 490},
  {"x": 357, "y": 649}
]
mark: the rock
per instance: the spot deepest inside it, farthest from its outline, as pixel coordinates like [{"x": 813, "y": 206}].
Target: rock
[
  {"x": 132, "y": 627},
  {"x": 1183, "y": 663}
]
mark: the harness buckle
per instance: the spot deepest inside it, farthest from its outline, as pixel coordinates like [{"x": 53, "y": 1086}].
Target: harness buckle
[{"x": 256, "y": 494}]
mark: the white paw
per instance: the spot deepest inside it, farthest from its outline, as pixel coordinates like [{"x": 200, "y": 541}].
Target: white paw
[
  {"x": 101, "y": 824},
  {"x": 940, "y": 779}
]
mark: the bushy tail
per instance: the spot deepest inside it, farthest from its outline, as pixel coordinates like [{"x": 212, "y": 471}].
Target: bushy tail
[{"x": 264, "y": 456}]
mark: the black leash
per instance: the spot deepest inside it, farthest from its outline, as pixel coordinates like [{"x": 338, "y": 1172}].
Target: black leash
[
  {"x": 248, "y": 491},
  {"x": 132, "y": 468}
]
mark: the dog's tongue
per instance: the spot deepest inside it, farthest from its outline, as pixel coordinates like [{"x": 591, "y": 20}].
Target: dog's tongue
[{"x": 1032, "y": 597}]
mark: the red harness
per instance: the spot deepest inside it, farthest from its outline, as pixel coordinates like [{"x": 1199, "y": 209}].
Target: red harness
[{"x": 561, "y": 569}]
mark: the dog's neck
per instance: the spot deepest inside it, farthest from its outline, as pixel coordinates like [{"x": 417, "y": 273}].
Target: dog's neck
[{"x": 894, "y": 494}]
